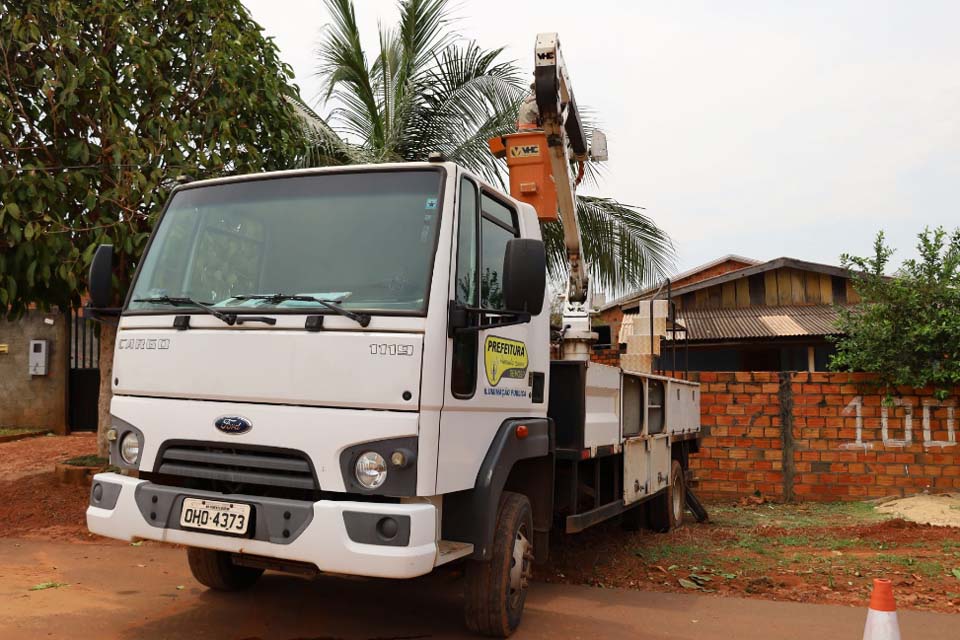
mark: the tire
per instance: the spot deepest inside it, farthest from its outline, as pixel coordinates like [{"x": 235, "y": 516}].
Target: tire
[
  {"x": 496, "y": 590},
  {"x": 216, "y": 570},
  {"x": 665, "y": 512}
]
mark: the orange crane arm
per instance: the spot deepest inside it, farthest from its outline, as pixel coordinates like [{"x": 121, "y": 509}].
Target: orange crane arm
[{"x": 540, "y": 156}]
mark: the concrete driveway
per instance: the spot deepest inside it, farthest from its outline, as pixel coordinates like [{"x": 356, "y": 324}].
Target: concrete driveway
[{"x": 146, "y": 593}]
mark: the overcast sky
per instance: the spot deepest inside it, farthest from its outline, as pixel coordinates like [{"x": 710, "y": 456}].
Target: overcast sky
[{"x": 760, "y": 128}]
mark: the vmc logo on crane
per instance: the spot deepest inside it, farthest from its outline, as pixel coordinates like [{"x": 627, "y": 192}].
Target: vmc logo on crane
[{"x": 525, "y": 151}]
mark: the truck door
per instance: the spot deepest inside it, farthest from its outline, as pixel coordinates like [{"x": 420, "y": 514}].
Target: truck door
[{"x": 487, "y": 372}]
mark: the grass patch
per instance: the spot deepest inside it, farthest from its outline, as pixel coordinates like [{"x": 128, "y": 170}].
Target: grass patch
[
  {"x": 16, "y": 431},
  {"x": 828, "y": 543},
  {"x": 740, "y": 566},
  {"x": 930, "y": 568},
  {"x": 43, "y": 586},
  {"x": 756, "y": 544},
  {"x": 665, "y": 550},
  {"x": 90, "y": 460},
  {"x": 794, "y": 516},
  {"x": 836, "y": 544},
  {"x": 802, "y": 558},
  {"x": 926, "y": 568},
  {"x": 817, "y": 514}
]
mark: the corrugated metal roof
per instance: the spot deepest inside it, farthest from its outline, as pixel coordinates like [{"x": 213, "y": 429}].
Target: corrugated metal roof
[{"x": 759, "y": 322}]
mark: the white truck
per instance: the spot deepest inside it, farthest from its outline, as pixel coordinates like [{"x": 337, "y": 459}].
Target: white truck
[{"x": 348, "y": 370}]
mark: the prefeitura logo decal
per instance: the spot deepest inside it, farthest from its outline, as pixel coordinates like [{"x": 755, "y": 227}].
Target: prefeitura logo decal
[{"x": 504, "y": 358}]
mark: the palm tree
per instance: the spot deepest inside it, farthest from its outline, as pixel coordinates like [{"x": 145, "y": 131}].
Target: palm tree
[{"x": 429, "y": 90}]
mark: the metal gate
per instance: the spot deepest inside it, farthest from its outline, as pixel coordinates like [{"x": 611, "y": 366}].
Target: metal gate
[{"x": 84, "y": 373}]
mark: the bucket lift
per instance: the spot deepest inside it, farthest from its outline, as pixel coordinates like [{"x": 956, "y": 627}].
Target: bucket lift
[{"x": 540, "y": 158}]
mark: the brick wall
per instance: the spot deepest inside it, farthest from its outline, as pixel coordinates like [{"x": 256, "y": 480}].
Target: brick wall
[
  {"x": 609, "y": 356},
  {"x": 822, "y": 436},
  {"x": 613, "y": 318},
  {"x": 34, "y": 401}
]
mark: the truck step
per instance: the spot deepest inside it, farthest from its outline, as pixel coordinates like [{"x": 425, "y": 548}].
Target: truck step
[
  {"x": 448, "y": 551},
  {"x": 578, "y": 522}
]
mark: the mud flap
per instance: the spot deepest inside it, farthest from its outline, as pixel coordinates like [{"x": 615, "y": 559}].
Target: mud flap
[{"x": 696, "y": 507}]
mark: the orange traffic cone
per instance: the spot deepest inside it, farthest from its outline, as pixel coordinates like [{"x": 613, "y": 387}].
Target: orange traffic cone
[{"x": 882, "y": 616}]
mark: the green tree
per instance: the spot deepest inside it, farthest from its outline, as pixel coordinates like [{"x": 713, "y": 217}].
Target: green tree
[
  {"x": 104, "y": 104},
  {"x": 907, "y": 331},
  {"x": 429, "y": 90}
]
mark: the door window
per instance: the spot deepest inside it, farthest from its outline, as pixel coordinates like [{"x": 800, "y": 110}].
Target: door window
[
  {"x": 498, "y": 226},
  {"x": 468, "y": 245},
  {"x": 481, "y": 243},
  {"x": 464, "y": 371}
]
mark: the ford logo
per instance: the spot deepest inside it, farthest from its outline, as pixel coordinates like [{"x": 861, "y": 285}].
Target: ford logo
[{"x": 233, "y": 425}]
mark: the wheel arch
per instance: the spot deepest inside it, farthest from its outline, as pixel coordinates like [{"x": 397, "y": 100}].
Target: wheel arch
[{"x": 512, "y": 463}]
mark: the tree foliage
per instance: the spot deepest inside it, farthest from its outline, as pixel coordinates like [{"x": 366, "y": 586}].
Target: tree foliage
[
  {"x": 426, "y": 89},
  {"x": 907, "y": 331},
  {"x": 104, "y": 104}
]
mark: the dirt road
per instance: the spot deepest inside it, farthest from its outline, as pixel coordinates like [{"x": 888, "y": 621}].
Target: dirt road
[{"x": 117, "y": 591}]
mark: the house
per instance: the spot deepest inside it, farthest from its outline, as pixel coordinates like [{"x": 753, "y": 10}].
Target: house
[
  {"x": 738, "y": 314},
  {"x": 49, "y": 375}
]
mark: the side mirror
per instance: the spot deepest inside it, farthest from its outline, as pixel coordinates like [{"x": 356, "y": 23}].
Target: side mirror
[
  {"x": 524, "y": 275},
  {"x": 100, "y": 279}
]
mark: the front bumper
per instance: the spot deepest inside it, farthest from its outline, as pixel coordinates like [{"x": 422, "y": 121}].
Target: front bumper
[{"x": 335, "y": 536}]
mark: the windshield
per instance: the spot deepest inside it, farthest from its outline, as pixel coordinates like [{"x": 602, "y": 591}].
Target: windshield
[{"x": 360, "y": 240}]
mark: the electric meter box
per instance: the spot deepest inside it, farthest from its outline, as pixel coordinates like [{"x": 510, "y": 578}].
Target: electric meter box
[{"x": 39, "y": 357}]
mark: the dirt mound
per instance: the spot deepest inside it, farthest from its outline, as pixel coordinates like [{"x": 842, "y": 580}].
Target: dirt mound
[
  {"x": 941, "y": 510},
  {"x": 39, "y": 505},
  {"x": 33, "y": 455},
  {"x": 34, "y": 503},
  {"x": 896, "y": 531}
]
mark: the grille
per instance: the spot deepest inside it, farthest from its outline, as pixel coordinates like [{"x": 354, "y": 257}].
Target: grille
[{"x": 271, "y": 468}]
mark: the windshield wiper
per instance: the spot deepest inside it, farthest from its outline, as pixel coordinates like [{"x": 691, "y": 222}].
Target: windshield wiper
[
  {"x": 229, "y": 318},
  {"x": 363, "y": 319}
]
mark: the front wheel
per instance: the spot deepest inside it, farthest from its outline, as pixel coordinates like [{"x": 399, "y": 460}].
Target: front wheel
[
  {"x": 496, "y": 589},
  {"x": 215, "y": 569}
]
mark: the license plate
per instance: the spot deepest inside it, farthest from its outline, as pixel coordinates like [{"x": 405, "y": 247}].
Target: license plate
[{"x": 212, "y": 515}]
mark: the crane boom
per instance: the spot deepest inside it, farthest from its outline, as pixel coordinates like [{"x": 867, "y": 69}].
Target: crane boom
[
  {"x": 540, "y": 158},
  {"x": 560, "y": 121}
]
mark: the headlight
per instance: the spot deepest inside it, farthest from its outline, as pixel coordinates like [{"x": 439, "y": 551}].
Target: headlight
[
  {"x": 371, "y": 470},
  {"x": 130, "y": 447}
]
